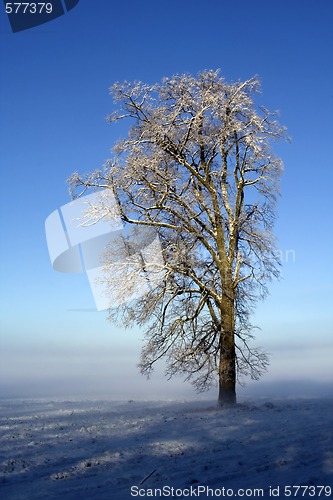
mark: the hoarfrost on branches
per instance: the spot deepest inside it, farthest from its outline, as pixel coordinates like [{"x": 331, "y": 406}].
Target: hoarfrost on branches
[{"x": 198, "y": 169}]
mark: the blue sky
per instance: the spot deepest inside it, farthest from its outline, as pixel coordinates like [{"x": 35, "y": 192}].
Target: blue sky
[{"x": 54, "y": 100}]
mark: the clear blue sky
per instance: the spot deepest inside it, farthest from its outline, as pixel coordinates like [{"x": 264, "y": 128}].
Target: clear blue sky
[{"x": 54, "y": 100}]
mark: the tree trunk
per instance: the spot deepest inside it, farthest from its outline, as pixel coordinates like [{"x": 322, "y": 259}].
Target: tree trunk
[
  {"x": 227, "y": 365},
  {"x": 227, "y": 378}
]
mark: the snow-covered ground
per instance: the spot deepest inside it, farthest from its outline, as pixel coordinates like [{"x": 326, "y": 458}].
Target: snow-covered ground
[{"x": 104, "y": 450}]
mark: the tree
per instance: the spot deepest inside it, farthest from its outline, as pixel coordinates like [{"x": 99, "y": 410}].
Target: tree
[{"x": 197, "y": 168}]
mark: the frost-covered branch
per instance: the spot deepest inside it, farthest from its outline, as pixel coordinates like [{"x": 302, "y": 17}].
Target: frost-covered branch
[{"x": 197, "y": 167}]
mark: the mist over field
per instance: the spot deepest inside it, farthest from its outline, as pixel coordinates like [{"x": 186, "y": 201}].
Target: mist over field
[{"x": 115, "y": 376}]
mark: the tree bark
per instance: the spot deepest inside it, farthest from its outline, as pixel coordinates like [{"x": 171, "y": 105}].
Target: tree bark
[
  {"x": 227, "y": 365},
  {"x": 227, "y": 379}
]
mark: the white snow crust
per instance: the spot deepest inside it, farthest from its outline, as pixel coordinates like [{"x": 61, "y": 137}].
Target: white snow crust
[{"x": 99, "y": 450}]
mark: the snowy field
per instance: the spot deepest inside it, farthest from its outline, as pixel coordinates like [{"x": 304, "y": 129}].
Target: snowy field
[{"x": 110, "y": 450}]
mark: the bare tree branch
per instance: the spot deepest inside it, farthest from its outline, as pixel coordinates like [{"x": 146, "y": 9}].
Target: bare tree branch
[{"x": 197, "y": 167}]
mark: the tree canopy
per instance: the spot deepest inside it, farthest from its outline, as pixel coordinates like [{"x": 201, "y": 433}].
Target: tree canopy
[{"x": 197, "y": 168}]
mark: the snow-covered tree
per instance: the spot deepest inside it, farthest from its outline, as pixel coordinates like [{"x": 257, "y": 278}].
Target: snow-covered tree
[{"x": 197, "y": 168}]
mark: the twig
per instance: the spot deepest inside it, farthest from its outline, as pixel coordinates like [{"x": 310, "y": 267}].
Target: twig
[{"x": 147, "y": 477}]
